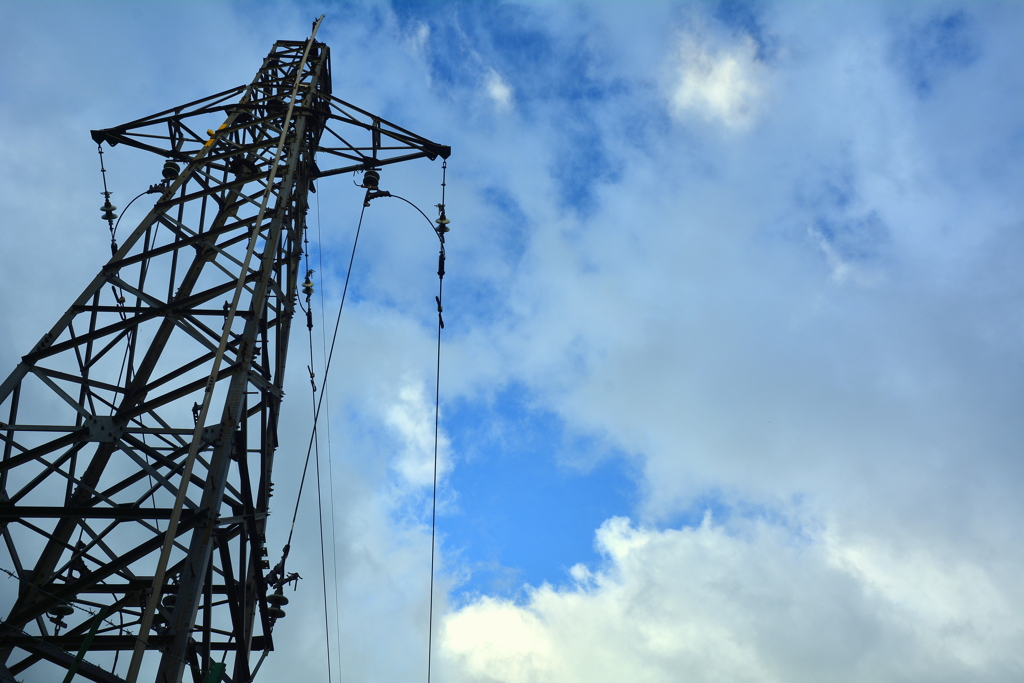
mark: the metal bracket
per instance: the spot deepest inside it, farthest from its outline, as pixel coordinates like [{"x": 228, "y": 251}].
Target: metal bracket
[
  {"x": 211, "y": 435},
  {"x": 103, "y": 429}
]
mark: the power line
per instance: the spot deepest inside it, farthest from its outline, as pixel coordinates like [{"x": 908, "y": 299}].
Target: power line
[
  {"x": 327, "y": 369},
  {"x": 442, "y": 223}
]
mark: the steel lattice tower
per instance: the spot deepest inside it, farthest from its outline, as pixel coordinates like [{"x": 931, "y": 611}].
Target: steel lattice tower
[{"x": 139, "y": 433}]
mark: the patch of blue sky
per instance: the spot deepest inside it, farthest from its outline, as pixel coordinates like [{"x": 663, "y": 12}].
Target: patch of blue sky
[
  {"x": 724, "y": 509},
  {"x": 540, "y": 64},
  {"x": 835, "y": 187},
  {"x": 836, "y": 213},
  {"x": 471, "y": 300},
  {"x": 745, "y": 17},
  {"x": 554, "y": 79},
  {"x": 510, "y": 228},
  {"x": 711, "y": 503},
  {"x": 515, "y": 40},
  {"x": 581, "y": 162},
  {"x": 861, "y": 238},
  {"x": 476, "y": 295},
  {"x": 927, "y": 51},
  {"x": 527, "y": 495}
]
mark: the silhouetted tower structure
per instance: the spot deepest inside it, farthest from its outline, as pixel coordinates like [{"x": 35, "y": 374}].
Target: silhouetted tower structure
[{"x": 138, "y": 435}]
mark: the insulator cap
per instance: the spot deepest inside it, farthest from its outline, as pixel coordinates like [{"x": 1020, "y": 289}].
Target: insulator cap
[
  {"x": 442, "y": 223},
  {"x": 371, "y": 180},
  {"x": 171, "y": 170},
  {"x": 62, "y": 610},
  {"x": 108, "y": 211}
]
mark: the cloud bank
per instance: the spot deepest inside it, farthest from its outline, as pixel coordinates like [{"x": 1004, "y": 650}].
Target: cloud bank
[{"x": 743, "y": 602}]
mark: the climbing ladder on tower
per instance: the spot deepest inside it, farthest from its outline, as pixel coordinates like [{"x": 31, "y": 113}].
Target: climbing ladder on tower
[{"x": 138, "y": 436}]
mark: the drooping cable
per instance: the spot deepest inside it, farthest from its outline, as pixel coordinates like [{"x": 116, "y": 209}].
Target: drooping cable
[
  {"x": 323, "y": 558},
  {"x": 433, "y": 505},
  {"x": 327, "y": 369},
  {"x": 109, "y": 215},
  {"x": 113, "y": 230},
  {"x": 308, "y": 291},
  {"x": 330, "y": 450},
  {"x": 442, "y": 227},
  {"x": 313, "y": 439}
]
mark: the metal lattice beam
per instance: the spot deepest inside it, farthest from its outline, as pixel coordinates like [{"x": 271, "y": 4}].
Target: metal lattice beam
[{"x": 132, "y": 521}]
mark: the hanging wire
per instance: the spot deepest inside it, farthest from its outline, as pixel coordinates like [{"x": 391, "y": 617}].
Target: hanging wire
[
  {"x": 327, "y": 369},
  {"x": 109, "y": 216},
  {"x": 314, "y": 446},
  {"x": 323, "y": 560},
  {"x": 437, "y": 405},
  {"x": 107, "y": 208},
  {"x": 307, "y": 289},
  {"x": 113, "y": 230},
  {"x": 433, "y": 506},
  {"x": 330, "y": 450},
  {"x": 440, "y": 229},
  {"x": 313, "y": 439}
]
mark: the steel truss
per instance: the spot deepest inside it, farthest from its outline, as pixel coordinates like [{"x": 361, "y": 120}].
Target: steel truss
[{"x": 131, "y": 521}]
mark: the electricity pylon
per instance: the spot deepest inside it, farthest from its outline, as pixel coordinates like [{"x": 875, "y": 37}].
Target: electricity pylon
[{"x": 138, "y": 435}]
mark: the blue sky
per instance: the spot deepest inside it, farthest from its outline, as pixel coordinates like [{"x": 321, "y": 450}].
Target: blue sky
[
  {"x": 526, "y": 495},
  {"x": 732, "y": 369}
]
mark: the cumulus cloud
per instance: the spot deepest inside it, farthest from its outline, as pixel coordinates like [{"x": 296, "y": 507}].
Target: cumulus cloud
[
  {"x": 742, "y": 602},
  {"x": 717, "y": 83}
]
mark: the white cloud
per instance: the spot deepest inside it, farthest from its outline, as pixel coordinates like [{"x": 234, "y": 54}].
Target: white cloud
[
  {"x": 499, "y": 90},
  {"x": 745, "y": 602},
  {"x": 411, "y": 417},
  {"x": 722, "y": 84}
]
